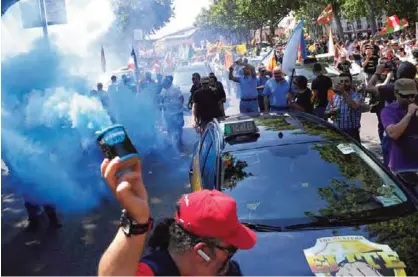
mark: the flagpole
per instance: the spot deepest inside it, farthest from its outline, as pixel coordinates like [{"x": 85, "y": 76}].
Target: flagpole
[{"x": 291, "y": 80}]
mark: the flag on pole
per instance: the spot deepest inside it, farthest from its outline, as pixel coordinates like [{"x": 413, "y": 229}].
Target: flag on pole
[
  {"x": 133, "y": 62},
  {"x": 326, "y": 15},
  {"x": 291, "y": 50},
  {"x": 331, "y": 46},
  {"x": 393, "y": 24},
  {"x": 229, "y": 60},
  {"x": 269, "y": 61},
  {"x": 302, "y": 48},
  {"x": 103, "y": 59}
]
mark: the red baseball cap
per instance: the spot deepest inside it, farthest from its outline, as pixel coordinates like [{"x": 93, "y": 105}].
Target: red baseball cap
[{"x": 213, "y": 214}]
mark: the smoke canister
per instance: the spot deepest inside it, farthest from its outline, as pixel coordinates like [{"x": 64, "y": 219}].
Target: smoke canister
[{"x": 114, "y": 142}]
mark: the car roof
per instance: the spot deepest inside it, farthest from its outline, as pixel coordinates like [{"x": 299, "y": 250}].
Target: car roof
[
  {"x": 193, "y": 67},
  {"x": 282, "y": 128}
]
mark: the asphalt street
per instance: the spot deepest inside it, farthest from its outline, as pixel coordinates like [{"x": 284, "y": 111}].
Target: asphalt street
[{"x": 77, "y": 247}]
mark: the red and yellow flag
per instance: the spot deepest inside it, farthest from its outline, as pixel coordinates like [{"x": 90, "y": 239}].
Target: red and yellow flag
[{"x": 326, "y": 15}]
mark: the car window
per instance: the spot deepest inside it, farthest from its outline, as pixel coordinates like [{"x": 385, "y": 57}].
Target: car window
[
  {"x": 206, "y": 144},
  {"x": 182, "y": 77},
  {"x": 208, "y": 172},
  {"x": 324, "y": 179}
]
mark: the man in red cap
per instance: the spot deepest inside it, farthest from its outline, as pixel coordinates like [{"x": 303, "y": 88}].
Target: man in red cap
[{"x": 199, "y": 241}]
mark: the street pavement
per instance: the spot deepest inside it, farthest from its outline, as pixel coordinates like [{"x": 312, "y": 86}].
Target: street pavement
[{"x": 77, "y": 247}]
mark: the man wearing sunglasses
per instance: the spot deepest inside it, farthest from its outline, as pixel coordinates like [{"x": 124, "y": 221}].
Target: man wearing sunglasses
[
  {"x": 400, "y": 121},
  {"x": 199, "y": 240}
]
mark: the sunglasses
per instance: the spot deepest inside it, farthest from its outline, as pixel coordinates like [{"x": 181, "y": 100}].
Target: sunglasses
[
  {"x": 344, "y": 81},
  {"x": 230, "y": 251},
  {"x": 407, "y": 96}
]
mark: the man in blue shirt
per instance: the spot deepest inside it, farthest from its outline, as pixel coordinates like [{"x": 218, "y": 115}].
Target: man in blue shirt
[
  {"x": 248, "y": 89},
  {"x": 345, "y": 107},
  {"x": 261, "y": 81},
  {"x": 277, "y": 92}
]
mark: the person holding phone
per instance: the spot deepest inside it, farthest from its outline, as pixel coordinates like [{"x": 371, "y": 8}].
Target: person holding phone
[
  {"x": 200, "y": 240},
  {"x": 400, "y": 120},
  {"x": 345, "y": 110}
]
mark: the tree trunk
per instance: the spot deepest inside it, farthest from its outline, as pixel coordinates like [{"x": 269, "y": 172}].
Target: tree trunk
[
  {"x": 372, "y": 17},
  {"x": 261, "y": 33},
  {"x": 337, "y": 18},
  {"x": 272, "y": 30}
]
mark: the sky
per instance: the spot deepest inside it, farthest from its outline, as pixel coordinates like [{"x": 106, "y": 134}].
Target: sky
[{"x": 186, "y": 12}]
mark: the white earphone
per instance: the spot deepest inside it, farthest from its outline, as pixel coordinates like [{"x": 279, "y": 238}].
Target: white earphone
[{"x": 203, "y": 255}]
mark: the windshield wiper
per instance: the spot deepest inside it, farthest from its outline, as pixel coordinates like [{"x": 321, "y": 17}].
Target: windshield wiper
[
  {"x": 262, "y": 227},
  {"x": 323, "y": 221}
]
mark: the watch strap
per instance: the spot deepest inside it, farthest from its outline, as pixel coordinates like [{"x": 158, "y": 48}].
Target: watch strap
[{"x": 135, "y": 228}]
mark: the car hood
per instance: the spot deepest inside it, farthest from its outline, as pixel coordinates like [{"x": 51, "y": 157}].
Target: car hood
[{"x": 282, "y": 253}]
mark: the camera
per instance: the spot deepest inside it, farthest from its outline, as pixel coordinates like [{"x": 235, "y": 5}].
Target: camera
[{"x": 415, "y": 53}]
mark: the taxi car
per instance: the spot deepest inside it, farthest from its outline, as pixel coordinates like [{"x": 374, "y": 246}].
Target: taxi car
[{"x": 321, "y": 204}]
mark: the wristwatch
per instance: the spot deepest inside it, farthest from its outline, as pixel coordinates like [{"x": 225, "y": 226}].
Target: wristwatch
[{"x": 131, "y": 227}]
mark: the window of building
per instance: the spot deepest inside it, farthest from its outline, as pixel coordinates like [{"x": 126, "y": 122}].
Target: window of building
[{"x": 358, "y": 22}]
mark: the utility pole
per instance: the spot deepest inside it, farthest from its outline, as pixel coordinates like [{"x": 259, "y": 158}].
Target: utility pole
[{"x": 43, "y": 18}]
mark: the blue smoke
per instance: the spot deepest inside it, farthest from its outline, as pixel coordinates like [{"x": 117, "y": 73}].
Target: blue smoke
[{"x": 48, "y": 129}]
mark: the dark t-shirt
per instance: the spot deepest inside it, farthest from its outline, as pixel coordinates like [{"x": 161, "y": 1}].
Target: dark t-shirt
[
  {"x": 193, "y": 89},
  {"x": 220, "y": 90},
  {"x": 304, "y": 100},
  {"x": 344, "y": 66},
  {"x": 207, "y": 102},
  {"x": 371, "y": 66},
  {"x": 321, "y": 84},
  {"x": 376, "y": 50},
  {"x": 357, "y": 56}
]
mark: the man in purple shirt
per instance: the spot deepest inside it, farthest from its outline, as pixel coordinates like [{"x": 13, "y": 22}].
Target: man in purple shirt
[{"x": 400, "y": 120}]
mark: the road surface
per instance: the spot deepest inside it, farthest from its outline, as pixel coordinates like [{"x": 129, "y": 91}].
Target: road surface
[{"x": 78, "y": 246}]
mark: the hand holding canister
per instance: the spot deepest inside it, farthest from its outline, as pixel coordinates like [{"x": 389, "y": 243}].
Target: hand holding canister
[{"x": 114, "y": 142}]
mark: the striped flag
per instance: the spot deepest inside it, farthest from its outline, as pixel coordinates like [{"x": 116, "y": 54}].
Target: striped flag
[
  {"x": 302, "y": 48},
  {"x": 393, "y": 24},
  {"x": 103, "y": 59},
  {"x": 269, "y": 61},
  {"x": 326, "y": 15}
]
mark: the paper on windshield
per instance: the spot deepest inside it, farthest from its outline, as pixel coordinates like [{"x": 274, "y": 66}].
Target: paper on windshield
[
  {"x": 346, "y": 148},
  {"x": 353, "y": 256}
]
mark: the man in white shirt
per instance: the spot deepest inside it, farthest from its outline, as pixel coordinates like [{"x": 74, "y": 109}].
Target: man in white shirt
[{"x": 173, "y": 101}]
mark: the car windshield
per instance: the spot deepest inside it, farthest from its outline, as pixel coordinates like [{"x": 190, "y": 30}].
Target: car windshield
[
  {"x": 183, "y": 75},
  {"x": 306, "y": 71},
  {"x": 294, "y": 183}
]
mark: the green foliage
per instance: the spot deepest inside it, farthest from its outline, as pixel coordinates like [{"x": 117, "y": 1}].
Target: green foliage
[
  {"x": 402, "y": 235},
  {"x": 239, "y": 16},
  {"x": 147, "y": 15},
  {"x": 402, "y": 8}
]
